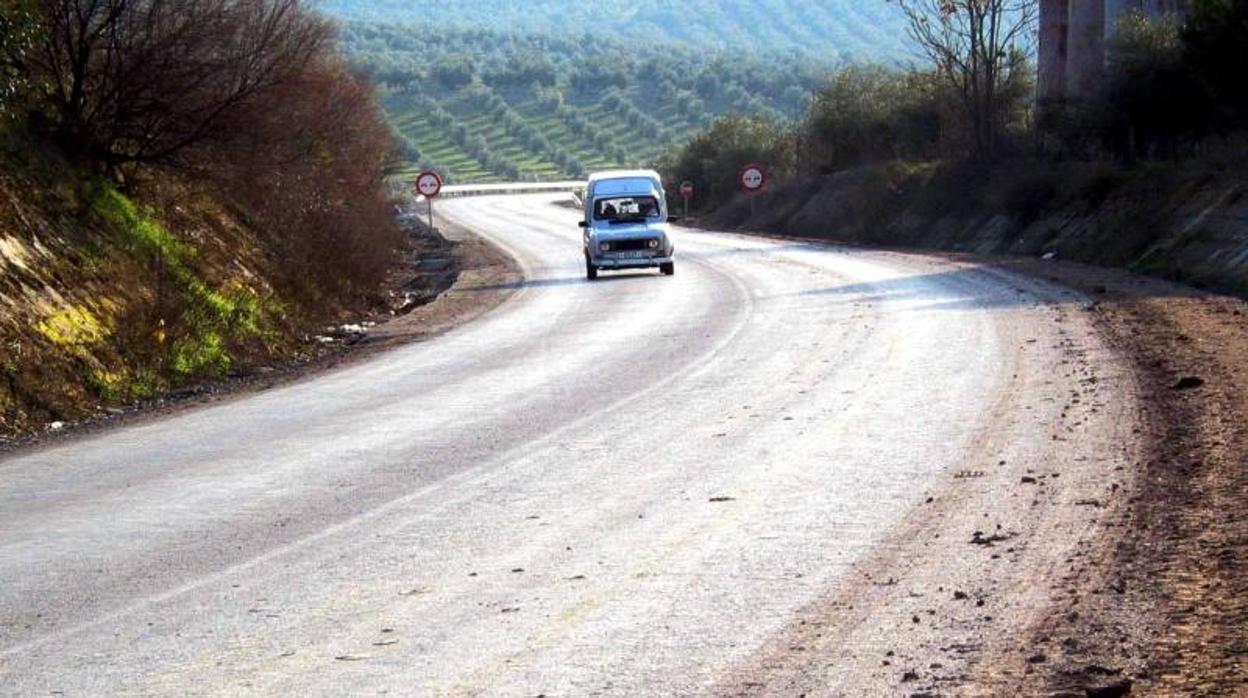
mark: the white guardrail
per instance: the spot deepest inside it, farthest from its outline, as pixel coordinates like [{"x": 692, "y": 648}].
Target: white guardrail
[{"x": 454, "y": 190}]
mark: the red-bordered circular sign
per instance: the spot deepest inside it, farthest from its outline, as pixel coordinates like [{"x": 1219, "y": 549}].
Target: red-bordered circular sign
[
  {"x": 429, "y": 184},
  {"x": 686, "y": 189},
  {"x": 753, "y": 177}
]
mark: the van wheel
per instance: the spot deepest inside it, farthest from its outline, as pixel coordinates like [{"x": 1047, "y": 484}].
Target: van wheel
[
  {"x": 591, "y": 271},
  {"x": 668, "y": 268}
]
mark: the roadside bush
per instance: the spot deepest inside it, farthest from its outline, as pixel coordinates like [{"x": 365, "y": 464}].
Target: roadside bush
[
  {"x": 309, "y": 169},
  {"x": 1172, "y": 88},
  {"x": 713, "y": 159},
  {"x": 1152, "y": 104},
  {"x": 18, "y": 35},
  {"x": 1026, "y": 196},
  {"x": 871, "y": 113},
  {"x": 1215, "y": 48}
]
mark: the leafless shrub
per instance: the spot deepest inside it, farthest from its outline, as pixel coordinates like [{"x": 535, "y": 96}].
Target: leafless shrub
[
  {"x": 307, "y": 163},
  {"x": 146, "y": 80}
]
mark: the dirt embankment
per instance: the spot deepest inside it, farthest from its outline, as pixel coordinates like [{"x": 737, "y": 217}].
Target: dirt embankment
[
  {"x": 118, "y": 300},
  {"x": 443, "y": 279},
  {"x": 1187, "y": 224}
]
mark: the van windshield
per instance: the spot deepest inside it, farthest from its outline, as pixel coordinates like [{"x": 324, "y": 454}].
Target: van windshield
[{"x": 626, "y": 208}]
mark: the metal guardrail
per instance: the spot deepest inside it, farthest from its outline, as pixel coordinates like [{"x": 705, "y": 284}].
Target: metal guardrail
[
  {"x": 457, "y": 190},
  {"x": 575, "y": 188}
]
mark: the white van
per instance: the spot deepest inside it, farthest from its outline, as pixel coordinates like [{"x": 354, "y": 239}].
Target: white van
[{"x": 625, "y": 223}]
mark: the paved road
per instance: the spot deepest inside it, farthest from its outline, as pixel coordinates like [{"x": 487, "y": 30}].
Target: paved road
[{"x": 630, "y": 486}]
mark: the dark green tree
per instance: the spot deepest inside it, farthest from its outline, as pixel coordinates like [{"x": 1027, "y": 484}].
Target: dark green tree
[{"x": 1215, "y": 44}]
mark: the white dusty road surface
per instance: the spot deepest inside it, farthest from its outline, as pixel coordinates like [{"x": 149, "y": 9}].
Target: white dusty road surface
[{"x": 767, "y": 474}]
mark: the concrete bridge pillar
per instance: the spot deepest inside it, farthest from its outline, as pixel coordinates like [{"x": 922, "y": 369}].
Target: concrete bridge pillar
[
  {"x": 1074, "y": 37},
  {"x": 1051, "y": 59},
  {"x": 1085, "y": 57}
]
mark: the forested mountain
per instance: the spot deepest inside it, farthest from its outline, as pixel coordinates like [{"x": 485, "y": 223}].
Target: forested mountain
[
  {"x": 480, "y": 105},
  {"x": 857, "y": 29}
]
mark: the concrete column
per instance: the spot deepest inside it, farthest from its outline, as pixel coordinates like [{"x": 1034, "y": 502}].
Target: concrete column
[
  {"x": 1175, "y": 7},
  {"x": 1051, "y": 57},
  {"x": 1085, "y": 58}
]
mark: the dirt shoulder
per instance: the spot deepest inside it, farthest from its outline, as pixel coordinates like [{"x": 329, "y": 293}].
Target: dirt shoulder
[
  {"x": 443, "y": 283},
  {"x": 1167, "y": 613},
  {"x": 485, "y": 276}
]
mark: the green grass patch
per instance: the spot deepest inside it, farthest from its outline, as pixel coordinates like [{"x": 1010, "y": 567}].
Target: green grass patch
[{"x": 204, "y": 321}]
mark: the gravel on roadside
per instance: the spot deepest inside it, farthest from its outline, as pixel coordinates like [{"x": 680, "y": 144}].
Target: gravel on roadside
[{"x": 1169, "y": 613}]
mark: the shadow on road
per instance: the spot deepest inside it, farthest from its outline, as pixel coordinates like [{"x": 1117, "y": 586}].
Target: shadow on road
[
  {"x": 1004, "y": 283},
  {"x": 767, "y": 250},
  {"x": 604, "y": 277}
]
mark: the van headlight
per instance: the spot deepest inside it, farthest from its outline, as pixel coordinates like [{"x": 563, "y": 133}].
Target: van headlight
[
  {"x": 604, "y": 246},
  {"x": 654, "y": 244}
]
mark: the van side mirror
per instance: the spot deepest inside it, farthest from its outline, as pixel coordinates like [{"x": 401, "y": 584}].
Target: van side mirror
[{"x": 583, "y": 224}]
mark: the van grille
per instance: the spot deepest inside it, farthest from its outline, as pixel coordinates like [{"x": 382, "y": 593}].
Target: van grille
[{"x": 628, "y": 245}]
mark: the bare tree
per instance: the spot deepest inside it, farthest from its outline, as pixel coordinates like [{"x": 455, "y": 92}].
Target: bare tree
[
  {"x": 144, "y": 80},
  {"x": 980, "y": 49}
]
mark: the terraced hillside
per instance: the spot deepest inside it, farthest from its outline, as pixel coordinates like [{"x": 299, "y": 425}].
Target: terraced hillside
[
  {"x": 481, "y": 106},
  {"x": 462, "y": 134},
  {"x": 849, "y": 29}
]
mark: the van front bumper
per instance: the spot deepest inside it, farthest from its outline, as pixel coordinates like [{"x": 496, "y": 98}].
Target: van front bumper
[{"x": 631, "y": 263}]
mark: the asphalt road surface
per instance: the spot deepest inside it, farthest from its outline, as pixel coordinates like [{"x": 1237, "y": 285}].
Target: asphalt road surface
[{"x": 641, "y": 485}]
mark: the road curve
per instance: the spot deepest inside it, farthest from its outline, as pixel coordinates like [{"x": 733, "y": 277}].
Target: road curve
[{"x": 633, "y": 486}]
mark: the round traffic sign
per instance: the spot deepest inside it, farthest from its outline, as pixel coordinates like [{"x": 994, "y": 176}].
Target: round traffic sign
[
  {"x": 429, "y": 184},
  {"x": 686, "y": 189},
  {"x": 753, "y": 177}
]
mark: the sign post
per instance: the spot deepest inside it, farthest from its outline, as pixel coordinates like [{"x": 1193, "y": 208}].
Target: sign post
[
  {"x": 753, "y": 178},
  {"x": 686, "y": 193},
  {"x": 429, "y": 184}
]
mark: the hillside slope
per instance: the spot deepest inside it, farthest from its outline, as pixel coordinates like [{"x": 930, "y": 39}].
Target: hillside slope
[
  {"x": 109, "y": 297},
  {"x": 848, "y": 29},
  {"x": 1179, "y": 223}
]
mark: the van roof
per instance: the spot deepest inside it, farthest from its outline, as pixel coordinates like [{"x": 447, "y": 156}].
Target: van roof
[
  {"x": 626, "y": 186},
  {"x": 624, "y": 174}
]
